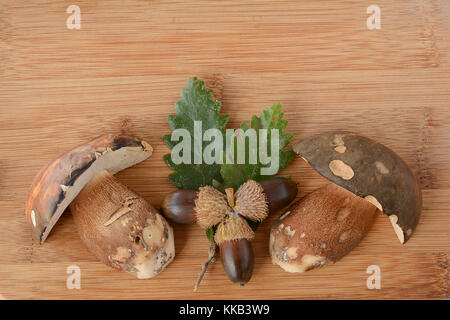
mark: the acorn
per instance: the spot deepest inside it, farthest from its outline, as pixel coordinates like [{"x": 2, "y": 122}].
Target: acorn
[
  {"x": 234, "y": 237},
  {"x": 279, "y": 192},
  {"x": 238, "y": 260},
  {"x": 180, "y": 206},
  {"x": 233, "y": 234}
]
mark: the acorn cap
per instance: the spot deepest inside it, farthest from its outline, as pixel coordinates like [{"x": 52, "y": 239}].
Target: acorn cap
[
  {"x": 251, "y": 201},
  {"x": 210, "y": 207},
  {"x": 233, "y": 227}
]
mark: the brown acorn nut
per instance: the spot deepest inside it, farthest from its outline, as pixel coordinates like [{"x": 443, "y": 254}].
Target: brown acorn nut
[
  {"x": 118, "y": 226},
  {"x": 238, "y": 260},
  {"x": 180, "y": 206},
  {"x": 234, "y": 237},
  {"x": 279, "y": 192},
  {"x": 323, "y": 226},
  {"x": 369, "y": 170}
]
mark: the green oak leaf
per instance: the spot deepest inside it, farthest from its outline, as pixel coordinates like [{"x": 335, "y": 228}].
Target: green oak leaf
[
  {"x": 234, "y": 175},
  {"x": 196, "y": 104}
]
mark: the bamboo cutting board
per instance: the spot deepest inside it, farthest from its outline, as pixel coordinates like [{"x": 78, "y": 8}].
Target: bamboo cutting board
[{"x": 123, "y": 71}]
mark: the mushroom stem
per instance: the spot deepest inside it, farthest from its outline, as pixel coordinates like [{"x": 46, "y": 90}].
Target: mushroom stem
[
  {"x": 103, "y": 201},
  {"x": 121, "y": 229}
]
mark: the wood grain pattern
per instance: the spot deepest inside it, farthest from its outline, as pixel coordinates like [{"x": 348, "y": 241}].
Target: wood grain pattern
[{"x": 123, "y": 71}]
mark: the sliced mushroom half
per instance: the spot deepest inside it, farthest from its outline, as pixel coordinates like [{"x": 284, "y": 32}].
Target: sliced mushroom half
[{"x": 369, "y": 170}]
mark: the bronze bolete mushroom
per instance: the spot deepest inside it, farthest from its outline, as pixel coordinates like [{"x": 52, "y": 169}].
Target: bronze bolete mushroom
[
  {"x": 328, "y": 223},
  {"x": 369, "y": 170},
  {"x": 118, "y": 226}
]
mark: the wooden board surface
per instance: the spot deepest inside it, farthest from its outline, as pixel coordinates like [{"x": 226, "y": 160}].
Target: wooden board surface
[{"x": 123, "y": 71}]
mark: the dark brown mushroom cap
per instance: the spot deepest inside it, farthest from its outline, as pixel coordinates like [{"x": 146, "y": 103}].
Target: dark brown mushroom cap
[
  {"x": 370, "y": 170},
  {"x": 58, "y": 183}
]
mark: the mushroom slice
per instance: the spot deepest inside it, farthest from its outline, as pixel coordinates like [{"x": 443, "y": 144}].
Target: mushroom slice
[
  {"x": 322, "y": 227},
  {"x": 369, "y": 170},
  {"x": 57, "y": 184}
]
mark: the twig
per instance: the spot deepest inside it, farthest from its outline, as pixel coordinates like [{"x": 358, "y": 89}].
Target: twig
[{"x": 210, "y": 261}]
